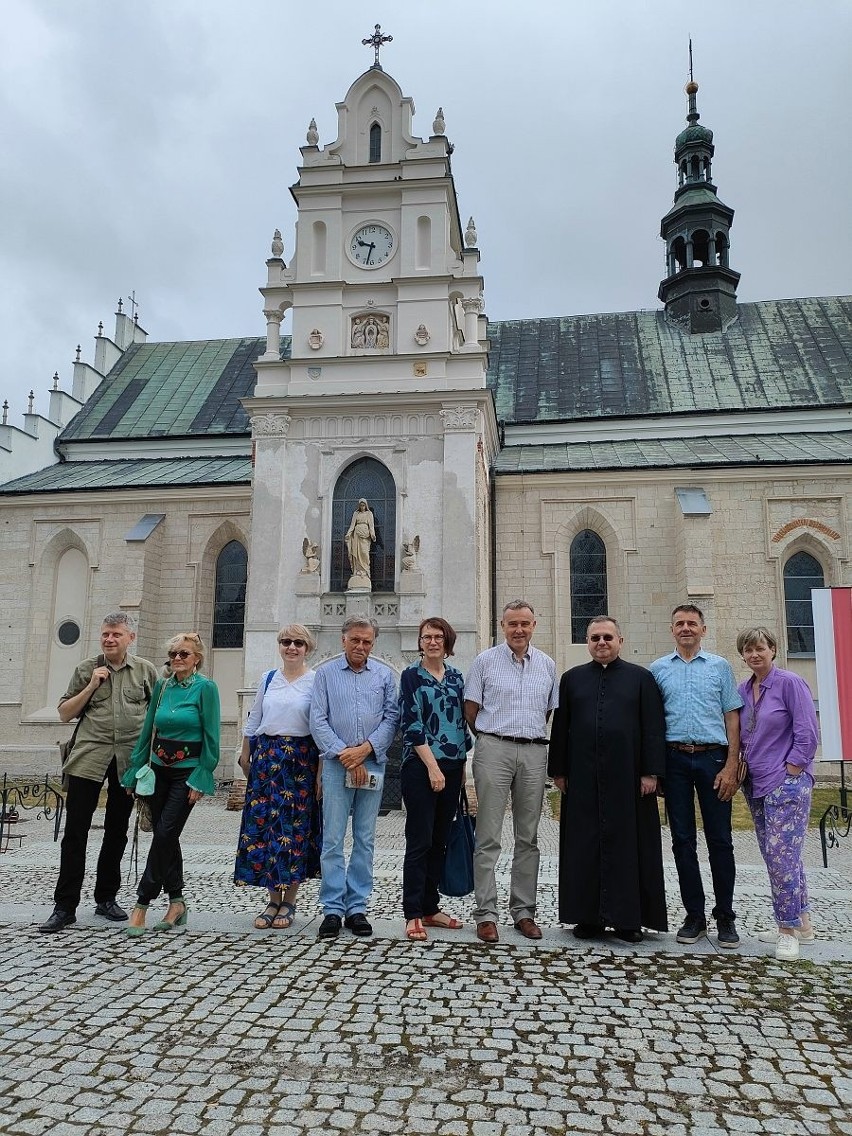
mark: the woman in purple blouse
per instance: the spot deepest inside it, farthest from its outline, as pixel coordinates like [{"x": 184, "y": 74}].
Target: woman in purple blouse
[{"x": 778, "y": 736}]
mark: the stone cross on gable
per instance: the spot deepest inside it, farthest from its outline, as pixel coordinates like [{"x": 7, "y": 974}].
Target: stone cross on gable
[{"x": 375, "y": 41}]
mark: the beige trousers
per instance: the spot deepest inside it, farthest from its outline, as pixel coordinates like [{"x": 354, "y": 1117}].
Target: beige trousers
[{"x": 500, "y": 770}]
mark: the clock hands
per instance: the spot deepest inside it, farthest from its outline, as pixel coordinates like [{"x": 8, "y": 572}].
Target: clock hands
[{"x": 371, "y": 245}]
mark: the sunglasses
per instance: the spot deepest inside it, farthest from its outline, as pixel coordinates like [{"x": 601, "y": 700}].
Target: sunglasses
[
  {"x": 601, "y": 638},
  {"x": 179, "y": 654},
  {"x": 293, "y": 643}
]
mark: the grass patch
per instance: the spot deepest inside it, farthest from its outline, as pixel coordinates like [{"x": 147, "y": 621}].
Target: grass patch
[{"x": 740, "y": 815}]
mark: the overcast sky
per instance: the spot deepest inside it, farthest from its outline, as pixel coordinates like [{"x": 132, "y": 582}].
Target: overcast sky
[{"x": 150, "y": 147}]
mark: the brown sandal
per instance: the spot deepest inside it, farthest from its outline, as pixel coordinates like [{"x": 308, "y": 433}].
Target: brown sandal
[
  {"x": 414, "y": 931},
  {"x": 451, "y": 924}
]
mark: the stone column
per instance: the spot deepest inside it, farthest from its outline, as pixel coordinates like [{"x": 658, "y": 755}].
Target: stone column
[
  {"x": 269, "y": 434},
  {"x": 273, "y": 333},
  {"x": 472, "y": 308},
  {"x": 459, "y": 587}
]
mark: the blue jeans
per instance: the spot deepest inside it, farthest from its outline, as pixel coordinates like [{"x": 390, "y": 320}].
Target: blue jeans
[
  {"x": 688, "y": 774},
  {"x": 346, "y": 889}
]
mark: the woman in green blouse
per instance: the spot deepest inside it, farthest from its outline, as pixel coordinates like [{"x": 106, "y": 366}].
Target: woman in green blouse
[{"x": 180, "y": 738}]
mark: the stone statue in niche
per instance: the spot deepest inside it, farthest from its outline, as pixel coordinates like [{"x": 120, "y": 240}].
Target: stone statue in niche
[
  {"x": 310, "y": 551},
  {"x": 410, "y": 549},
  {"x": 370, "y": 332},
  {"x": 359, "y": 539}
]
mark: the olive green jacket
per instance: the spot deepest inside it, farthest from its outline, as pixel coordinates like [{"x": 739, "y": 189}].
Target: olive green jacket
[{"x": 112, "y": 718}]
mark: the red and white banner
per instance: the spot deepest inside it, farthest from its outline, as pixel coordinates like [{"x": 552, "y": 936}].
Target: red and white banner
[{"x": 833, "y": 641}]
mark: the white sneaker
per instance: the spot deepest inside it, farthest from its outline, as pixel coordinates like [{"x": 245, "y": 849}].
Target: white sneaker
[
  {"x": 774, "y": 935},
  {"x": 787, "y": 948}
]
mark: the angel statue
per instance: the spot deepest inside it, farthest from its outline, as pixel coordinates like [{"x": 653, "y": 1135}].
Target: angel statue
[
  {"x": 310, "y": 551},
  {"x": 410, "y": 548}
]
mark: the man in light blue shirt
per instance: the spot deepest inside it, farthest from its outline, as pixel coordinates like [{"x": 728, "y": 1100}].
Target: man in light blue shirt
[
  {"x": 354, "y": 717},
  {"x": 703, "y": 739}
]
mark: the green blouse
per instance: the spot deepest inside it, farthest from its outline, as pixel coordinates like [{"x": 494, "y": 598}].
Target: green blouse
[{"x": 185, "y": 711}]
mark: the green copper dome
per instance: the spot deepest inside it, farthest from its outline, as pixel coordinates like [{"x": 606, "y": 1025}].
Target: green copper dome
[{"x": 694, "y": 133}]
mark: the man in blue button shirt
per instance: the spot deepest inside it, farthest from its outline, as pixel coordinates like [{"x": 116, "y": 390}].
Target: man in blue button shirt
[
  {"x": 703, "y": 739},
  {"x": 354, "y": 718}
]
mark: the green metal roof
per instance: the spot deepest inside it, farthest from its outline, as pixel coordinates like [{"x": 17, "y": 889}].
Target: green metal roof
[
  {"x": 780, "y": 354},
  {"x": 161, "y": 473},
  {"x": 173, "y": 389},
  {"x": 674, "y": 453}
]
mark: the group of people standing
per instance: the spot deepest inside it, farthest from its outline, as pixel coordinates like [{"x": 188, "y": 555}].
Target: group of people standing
[{"x": 316, "y": 745}]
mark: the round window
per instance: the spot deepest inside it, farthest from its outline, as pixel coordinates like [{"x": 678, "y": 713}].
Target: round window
[{"x": 68, "y": 632}]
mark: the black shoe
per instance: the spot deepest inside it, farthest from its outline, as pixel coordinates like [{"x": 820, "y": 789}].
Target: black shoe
[
  {"x": 58, "y": 920},
  {"x": 330, "y": 927},
  {"x": 109, "y": 909},
  {"x": 359, "y": 925},
  {"x": 628, "y": 935},
  {"x": 727, "y": 928},
  {"x": 588, "y": 931},
  {"x": 694, "y": 928}
]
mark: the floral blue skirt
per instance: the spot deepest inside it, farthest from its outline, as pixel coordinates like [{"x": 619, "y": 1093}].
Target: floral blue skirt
[{"x": 281, "y": 831}]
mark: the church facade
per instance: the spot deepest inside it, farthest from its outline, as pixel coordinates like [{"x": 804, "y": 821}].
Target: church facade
[{"x": 620, "y": 462}]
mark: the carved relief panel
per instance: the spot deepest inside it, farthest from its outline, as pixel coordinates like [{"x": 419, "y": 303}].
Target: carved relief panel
[{"x": 369, "y": 332}]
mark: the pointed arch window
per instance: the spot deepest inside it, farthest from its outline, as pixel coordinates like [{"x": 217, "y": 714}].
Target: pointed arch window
[
  {"x": 375, "y": 143},
  {"x": 801, "y": 573},
  {"x": 229, "y": 600},
  {"x": 373, "y": 481},
  {"x": 587, "y": 561}
]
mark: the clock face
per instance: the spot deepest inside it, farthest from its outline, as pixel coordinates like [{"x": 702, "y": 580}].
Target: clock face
[{"x": 371, "y": 246}]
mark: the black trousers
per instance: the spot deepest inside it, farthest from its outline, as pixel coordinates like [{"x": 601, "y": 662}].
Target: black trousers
[
  {"x": 170, "y": 809},
  {"x": 428, "y": 816},
  {"x": 81, "y": 801}
]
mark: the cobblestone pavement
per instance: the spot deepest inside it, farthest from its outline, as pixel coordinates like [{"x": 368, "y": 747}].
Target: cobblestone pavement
[{"x": 227, "y": 1031}]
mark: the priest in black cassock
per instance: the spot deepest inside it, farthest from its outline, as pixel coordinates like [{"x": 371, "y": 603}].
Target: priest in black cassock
[{"x": 607, "y": 751}]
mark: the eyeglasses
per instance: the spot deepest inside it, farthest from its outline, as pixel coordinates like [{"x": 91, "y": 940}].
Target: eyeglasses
[
  {"x": 598, "y": 638},
  {"x": 432, "y": 638},
  {"x": 179, "y": 654},
  {"x": 293, "y": 643}
]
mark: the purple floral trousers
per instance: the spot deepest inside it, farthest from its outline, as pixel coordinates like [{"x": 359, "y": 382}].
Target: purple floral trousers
[{"x": 780, "y": 823}]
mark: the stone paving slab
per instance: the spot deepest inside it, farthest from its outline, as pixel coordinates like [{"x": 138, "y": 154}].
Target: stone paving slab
[
  {"x": 225, "y": 1034},
  {"x": 228, "y": 1031}
]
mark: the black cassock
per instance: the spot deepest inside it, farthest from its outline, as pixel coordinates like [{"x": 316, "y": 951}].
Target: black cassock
[{"x": 609, "y": 731}]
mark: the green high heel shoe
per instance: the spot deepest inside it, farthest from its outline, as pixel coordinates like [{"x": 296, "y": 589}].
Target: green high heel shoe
[
  {"x": 135, "y": 932},
  {"x": 179, "y": 923}
]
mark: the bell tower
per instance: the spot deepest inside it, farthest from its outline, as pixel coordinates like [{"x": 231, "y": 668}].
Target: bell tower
[
  {"x": 381, "y": 396},
  {"x": 700, "y": 287}
]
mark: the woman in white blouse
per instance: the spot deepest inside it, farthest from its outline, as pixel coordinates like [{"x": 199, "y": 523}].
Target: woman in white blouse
[{"x": 281, "y": 831}]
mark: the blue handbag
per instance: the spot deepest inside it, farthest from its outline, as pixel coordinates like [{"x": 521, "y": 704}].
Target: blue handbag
[{"x": 457, "y": 873}]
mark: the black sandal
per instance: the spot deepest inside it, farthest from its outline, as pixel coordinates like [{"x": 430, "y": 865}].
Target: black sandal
[{"x": 263, "y": 921}]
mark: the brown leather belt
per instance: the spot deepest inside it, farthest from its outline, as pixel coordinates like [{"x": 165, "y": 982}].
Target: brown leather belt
[{"x": 695, "y": 747}]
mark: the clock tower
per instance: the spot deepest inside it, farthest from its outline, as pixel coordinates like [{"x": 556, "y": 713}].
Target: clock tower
[{"x": 380, "y": 395}]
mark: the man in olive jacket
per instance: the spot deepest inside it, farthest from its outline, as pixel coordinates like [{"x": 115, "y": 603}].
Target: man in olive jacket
[{"x": 109, "y": 696}]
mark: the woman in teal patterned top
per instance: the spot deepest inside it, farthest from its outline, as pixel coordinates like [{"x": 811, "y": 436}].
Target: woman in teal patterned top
[
  {"x": 435, "y": 741},
  {"x": 181, "y": 735}
]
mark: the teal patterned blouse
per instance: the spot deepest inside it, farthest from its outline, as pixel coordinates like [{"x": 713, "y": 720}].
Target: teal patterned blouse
[{"x": 432, "y": 713}]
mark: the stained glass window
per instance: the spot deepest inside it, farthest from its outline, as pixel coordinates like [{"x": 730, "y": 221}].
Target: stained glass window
[
  {"x": 588, "y": 582},
  {"x": 801, "y": 573},
  {"x": 229, "y": 606}
]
